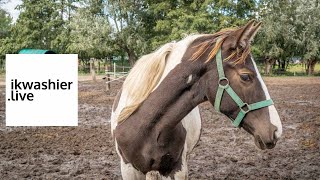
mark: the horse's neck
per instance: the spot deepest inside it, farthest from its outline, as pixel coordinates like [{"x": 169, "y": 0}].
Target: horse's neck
[{"x": 179, "y": 92}]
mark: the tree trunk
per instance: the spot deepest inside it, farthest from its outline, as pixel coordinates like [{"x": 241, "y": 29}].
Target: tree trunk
[
  {"x": 1, "y": 64},
  {"x": 313, "y": 65},
  {"x": 110, "y": 62},
  {"x": 131, "y": 56},
  {"x": 105, "y": 63},
  {"x": 310, "y": 67},
  {"x": 268, "y": 66},
  {"x": 283, "y": 65}
]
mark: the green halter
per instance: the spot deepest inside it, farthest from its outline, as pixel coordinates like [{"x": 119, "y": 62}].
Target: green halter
[{"x": 244, "y": 107}]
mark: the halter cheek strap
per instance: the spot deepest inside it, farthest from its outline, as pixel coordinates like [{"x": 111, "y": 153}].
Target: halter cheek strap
[{"x": 244, "y": 107}]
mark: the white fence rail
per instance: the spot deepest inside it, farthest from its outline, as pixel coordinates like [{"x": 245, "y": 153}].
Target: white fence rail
[{"x": 113, "y": 76}]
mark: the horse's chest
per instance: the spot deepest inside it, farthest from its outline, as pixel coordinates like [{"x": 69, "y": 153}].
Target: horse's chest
[{"x": 149, "y": 150}]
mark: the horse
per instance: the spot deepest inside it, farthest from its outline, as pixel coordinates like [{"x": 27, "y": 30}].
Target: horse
[{"x": 155, "y": 120}]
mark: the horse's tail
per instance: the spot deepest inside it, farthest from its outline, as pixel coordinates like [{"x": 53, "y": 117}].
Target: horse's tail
[
  {"x": 153, "y": 175},
  {"x": 143, "y": 78}
]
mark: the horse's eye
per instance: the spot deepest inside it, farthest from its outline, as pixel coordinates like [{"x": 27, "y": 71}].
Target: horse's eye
[{"x": 245, "y": 77}]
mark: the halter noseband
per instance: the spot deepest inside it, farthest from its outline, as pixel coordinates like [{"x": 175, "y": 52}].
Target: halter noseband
[{"x": 244, "y": 107}]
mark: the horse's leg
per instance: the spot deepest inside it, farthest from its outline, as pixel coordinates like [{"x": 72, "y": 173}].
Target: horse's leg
[{"x": 128, "y": 172}]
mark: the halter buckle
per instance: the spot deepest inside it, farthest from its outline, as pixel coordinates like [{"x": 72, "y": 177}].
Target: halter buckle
[
  {"x": 226, "y": 84},
  {"x": 245, "y": 108}
]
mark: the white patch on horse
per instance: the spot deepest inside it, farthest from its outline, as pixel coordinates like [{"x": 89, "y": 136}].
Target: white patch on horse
[
  {"x": 189, "y": 79},
  {"x": 274, "y": 116},
  {"x": 175, "y": 57},
  {"x": 128, "y": 172},
  {"x": 192, "y": 124},
  {"x": 183, "y": 173}
]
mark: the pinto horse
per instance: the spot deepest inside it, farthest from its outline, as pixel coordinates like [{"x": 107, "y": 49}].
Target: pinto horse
[{"x": 155, "y": 119}]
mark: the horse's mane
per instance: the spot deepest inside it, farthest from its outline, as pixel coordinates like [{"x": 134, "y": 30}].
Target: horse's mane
[
  {"x": 143, "y": 78},
  {"x": 146, "y": 73}
]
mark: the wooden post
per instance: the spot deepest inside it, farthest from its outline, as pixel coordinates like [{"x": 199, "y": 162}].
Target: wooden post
[
  {"x": 92, "y": 70},
  {"x": 114, "y": 70},
  {"x": 98, "y": 67},
  {"x": 108, "y": 78}
]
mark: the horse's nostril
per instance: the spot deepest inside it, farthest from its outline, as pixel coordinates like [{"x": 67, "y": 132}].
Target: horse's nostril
[{"x": 270, "y": 145}]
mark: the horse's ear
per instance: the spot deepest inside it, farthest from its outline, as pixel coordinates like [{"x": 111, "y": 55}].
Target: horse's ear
[
  {"x": 242, "y": 36},
  {"x": 248, "y": 35}
]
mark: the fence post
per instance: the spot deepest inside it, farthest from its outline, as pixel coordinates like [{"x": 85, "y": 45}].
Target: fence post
[
  {"x": 92, "y": 70},
  {"x": 108, "y": 78},
  {"x": 114, "y": 70}
]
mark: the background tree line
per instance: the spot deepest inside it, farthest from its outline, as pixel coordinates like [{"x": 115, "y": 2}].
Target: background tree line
[{"x": 108, "y": 29}]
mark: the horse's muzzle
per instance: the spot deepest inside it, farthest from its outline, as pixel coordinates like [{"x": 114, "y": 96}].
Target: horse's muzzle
[{"x": 265, "y": 144}]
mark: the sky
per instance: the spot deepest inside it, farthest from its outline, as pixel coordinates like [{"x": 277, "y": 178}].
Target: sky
[{"x": 9, "y": 7}]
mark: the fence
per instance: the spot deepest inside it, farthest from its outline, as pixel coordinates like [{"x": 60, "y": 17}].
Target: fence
[{"x": 114, "y": 75}]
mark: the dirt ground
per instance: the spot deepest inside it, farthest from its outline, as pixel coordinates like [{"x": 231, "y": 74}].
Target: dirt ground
[{"x": 223, "y": 152}]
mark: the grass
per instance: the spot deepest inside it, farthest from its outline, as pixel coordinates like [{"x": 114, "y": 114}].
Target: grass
[
  {"x": 298, "y": 68},
  {"x": 292, "y": 70}
]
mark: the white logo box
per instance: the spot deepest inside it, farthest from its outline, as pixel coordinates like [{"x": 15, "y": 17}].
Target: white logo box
[{"x": 48, "y": 106}]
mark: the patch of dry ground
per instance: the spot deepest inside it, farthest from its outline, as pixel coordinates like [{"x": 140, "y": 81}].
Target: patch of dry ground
[{"x": 223, "y": 152}]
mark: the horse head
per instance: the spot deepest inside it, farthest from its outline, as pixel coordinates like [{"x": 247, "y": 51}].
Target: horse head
[{"x": 240, "y": 93}]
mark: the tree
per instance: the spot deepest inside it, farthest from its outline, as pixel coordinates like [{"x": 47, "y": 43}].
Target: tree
[
  {"x": 307, "y": 26},
  {"x": 128, "y": 33},
  {"x": 173, "y": 20},
  {"x": 66, "y": 9},
  {"x": 5, "y": 27},
  {"x": 227, "y": 13},
  {"x": 5, "y": 24},
  {"x": 38, "y": 25},
  {"x": 89, "y": 35},
  {"x": 277, "y": 39}
]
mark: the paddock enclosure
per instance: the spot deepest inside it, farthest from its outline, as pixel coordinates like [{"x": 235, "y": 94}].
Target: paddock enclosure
[{"x": 223, "y": 152}]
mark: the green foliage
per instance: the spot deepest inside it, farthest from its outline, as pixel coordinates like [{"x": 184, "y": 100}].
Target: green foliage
[
  {"x": 5, "y": 24},
  {"x": 290, "y": 29},
  {"x": 37, "y": 26},
  {"x": 128, "y": 29},
  {"x": 5, "y": 27},
  {"x": 89, "y": 35},
  {"x": 129, "y": 33},
  {"x": 175, "y": 19}
]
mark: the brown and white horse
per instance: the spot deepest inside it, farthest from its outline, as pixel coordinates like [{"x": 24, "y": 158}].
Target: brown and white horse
[{"x": 156, "y": 121}]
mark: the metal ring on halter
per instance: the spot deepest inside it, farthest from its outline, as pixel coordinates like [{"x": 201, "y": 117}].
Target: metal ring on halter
[
  {"x": 247, "y": 107},
  {"x": 224, "y": 79}
]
